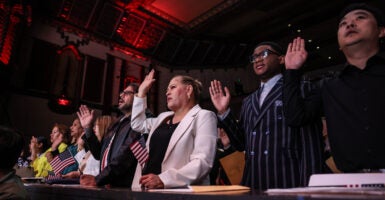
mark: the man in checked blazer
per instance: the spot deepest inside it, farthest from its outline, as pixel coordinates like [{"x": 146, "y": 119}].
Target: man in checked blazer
[{"x": 276, "y": 155}]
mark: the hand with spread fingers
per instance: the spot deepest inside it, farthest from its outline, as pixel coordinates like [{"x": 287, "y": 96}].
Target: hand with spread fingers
[
  {"x": 145, "y": 86},
  {"x": 296, "y": 54},
  {"x": 86, "y": 116},
  {"x": 220, "y": 98}
]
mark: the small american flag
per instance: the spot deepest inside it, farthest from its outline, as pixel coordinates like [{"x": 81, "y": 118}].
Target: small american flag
[
  {"x": 62, "y": 161},
  {"x": 52, "y": 176},
  {"x": 139, "y": 150}
]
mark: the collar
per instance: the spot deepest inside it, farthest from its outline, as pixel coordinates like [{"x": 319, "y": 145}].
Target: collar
[
  {"x": 377, "y": 58},
  {"x": 271, "y": 82}
]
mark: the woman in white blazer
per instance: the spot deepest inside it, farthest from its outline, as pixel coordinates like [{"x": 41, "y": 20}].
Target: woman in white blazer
[{"x": 181, "y": 142}]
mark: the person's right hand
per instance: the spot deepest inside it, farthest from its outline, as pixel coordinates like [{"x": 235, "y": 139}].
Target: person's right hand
[
  {"x": 33, "y": 145},
  {"x": 296, "y": 54},
  {"x": 220, "y": 100},
  {"x": 33, "y": 148},
  {"x": 56, "y": 142},
  {"x": 86, "y": 116},
  {"x": 146, "y": 84}
]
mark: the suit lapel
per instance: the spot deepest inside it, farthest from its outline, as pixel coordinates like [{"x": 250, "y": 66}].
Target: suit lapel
[
  {"x": 181, "y": 129},
  {"x": 273, "y": 95}
]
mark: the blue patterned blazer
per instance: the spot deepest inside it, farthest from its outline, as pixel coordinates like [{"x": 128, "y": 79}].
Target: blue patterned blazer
[{"x": 284, "y": 156}]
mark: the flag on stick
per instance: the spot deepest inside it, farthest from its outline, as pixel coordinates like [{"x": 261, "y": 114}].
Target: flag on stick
[
  {"x": 52, "y": 176},
  {"x": 62, "y": 161},
  {"x": 139, "y": 150}
]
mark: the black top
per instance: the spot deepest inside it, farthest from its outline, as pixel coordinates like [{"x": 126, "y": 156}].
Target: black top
[
  {"x": 158, "y": 146},
  {"x": 354, "y": 107}
]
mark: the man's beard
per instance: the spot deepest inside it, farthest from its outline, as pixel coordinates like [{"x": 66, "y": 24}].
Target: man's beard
[{"x": 125, "y": 108}]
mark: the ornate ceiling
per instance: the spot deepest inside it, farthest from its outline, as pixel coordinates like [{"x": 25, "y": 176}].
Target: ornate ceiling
[{"x": 196, "y": 34}]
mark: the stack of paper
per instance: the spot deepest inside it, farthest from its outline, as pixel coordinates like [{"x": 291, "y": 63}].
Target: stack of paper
[{"x": 206, "y": 188}]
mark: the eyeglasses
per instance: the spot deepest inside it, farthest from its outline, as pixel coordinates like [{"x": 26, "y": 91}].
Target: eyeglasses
[
  {"x": 127, "y": 93},
  {"x": 262, "y": 55}
]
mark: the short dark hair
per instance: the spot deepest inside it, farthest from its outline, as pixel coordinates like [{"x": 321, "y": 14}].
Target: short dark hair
[
  {"x": 44, "y": 141},
  {"x": 135, "y": 86},
  {"x": 11, "y": 144},
  {"x": 275, "y": 46},
  {"x": 377, "y": 13}
]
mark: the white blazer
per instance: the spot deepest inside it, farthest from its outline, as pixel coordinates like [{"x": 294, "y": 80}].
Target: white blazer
[{"x": 191, "y": 151}]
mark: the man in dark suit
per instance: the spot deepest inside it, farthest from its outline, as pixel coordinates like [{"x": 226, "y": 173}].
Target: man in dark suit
[
  {"x": 117, "y": 162},
  {"x": 276, "y": 155}
]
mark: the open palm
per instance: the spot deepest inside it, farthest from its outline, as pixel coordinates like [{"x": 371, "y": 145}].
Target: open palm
[{"x": 219, "y": 97}]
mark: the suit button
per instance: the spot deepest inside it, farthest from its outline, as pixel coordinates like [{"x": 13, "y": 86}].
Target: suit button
[{"x": 266, "y": 152}]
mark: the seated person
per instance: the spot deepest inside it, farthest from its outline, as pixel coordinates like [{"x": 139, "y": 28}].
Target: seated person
[
  {"x": 59, "y": 140},
  {"x": 76, "y": 131},
  {"x": 87, "y": 162}
]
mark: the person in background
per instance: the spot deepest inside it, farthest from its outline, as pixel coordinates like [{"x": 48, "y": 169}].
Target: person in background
[
  {"x": 218, "y": 175},
  {"x": 353, "y": 102},
  {"x": 276, "y": 155},
  {"x": 117, "y": 162},
  {"x": 87, "y": 163},
  {"x": 11, "y": 145},
  {"x": 181, "y": 142},
  {"x": 76, "y": 131},
  {"x": 59, "y": 138},
  {"x": 37, "y": 146}
]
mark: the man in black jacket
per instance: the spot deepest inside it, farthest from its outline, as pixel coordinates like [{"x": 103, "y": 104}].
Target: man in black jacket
[
  {"x": 353, "y": 102},
  {"x": 117, "y": 162}
]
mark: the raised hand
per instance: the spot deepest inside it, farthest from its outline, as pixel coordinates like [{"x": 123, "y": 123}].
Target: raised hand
[
  {"x": 146, "y": 84},
  {"x": 220, "y": 99},
  {"x": 296, "y": 54},
  {"x": 56, "y": 142},
  {"x": 86, "y": 116}
]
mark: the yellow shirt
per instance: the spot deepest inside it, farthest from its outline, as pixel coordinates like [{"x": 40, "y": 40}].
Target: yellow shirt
[{"x": 41, "y": 165}]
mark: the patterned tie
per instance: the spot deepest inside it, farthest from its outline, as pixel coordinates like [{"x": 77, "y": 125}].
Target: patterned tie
[
  {"x": 104, "y": 160},
  {"x": 260, "y": 90},
  {"x": 105, "y": 155}
]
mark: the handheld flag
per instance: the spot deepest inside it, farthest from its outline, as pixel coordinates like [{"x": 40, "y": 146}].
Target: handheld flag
[
  {"x": 139, "y": 150},
  {"x": 62, "y": 161}
]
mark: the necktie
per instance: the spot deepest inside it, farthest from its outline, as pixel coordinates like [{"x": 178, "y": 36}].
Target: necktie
[
  {"x": 260, "y": 90},
  {"x": 105, "y": 155}
]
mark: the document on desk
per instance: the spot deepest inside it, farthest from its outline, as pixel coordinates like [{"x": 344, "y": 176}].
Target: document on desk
[
  {"x": 205, "y": 188},
  {"x": 326, "y": 190},
  {"x": 358, "y": 183}
]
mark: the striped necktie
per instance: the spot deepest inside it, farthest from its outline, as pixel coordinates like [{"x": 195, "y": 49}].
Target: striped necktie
[
  {"x": 105, "y": 155},
  {"x": 260, "y": 90}
]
